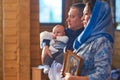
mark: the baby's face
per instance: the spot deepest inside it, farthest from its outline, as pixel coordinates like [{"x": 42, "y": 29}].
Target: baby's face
[{"x": 58, "y": 31}]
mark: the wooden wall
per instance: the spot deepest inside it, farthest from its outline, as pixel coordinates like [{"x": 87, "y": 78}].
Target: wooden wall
[
  {"x": 1, "y": 42},
  {"x": 21, "y": 38},
  {"x": 16, "y": 25},
  {"x": 34, "y": 33},
  {"x": 35, "y": 57}
]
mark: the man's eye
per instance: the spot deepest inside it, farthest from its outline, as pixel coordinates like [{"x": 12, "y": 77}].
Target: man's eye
[
  {"x": 72, "y": 16},
  {"x": 58, "y": 32}
]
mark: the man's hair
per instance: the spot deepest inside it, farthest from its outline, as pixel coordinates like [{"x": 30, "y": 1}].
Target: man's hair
[{"x": 79, "y": 6}]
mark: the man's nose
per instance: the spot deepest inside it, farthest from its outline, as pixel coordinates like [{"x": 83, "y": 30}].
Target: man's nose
[{"x": 82, "y": 18}]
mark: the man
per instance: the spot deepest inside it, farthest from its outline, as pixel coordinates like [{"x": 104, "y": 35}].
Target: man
[{"x": 75, "y": 27}]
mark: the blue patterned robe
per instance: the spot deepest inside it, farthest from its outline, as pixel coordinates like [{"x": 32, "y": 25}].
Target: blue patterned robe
[{"x": 97, "y": 57}]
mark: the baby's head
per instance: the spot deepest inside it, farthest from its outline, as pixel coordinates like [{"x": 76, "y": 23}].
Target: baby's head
[{"x": 58, "y": 30}]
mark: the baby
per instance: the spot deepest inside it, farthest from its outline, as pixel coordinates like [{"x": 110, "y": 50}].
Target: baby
[{"x": 58, "y": 41}]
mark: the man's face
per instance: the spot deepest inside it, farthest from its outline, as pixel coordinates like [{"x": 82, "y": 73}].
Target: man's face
[{"x": 74, "y": 19}]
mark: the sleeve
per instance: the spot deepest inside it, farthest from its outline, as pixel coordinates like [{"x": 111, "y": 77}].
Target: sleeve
[
  {"x": 55, "y": 70},
  {"x": 102, "y": 60},
  {"x": 45, "y": 38},
  {"x": 63, "y": 39}
]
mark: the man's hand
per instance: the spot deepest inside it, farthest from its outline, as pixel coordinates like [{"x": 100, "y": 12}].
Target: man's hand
[
  {"x": 45, "y": 51},
  {"x": 68, "y": 76}
]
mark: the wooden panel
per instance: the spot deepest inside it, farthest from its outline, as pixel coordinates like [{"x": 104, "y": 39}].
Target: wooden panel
[
  {"x": 11, "y": 55},
  {"x": 24, "y": 39},
  {"x": 11, "y": 23},
  {"x": 11, "y": 72},
  {"x": 35, "y": 2},
  {"x": 17, "y": 39},
  {"x": 116, "y": 55},
  {"x": 1, "y": 41},
  {"x": 10, "y": 6},
  {"x": 10, "y": 1},
  {"x": 34, "y": 8},
  {"x": 35, "y": 40},
  {"x": 35, "y": 48},
  {"x": 11, "y": 39},
  {"x": 33, "y": 33},
  {"x": 33, "y": 16},
  {"x": 10, "y": 15},
  {"x": 10, "y": 31},
  {"x": 34, "y": 22},
  {"x": 37, "y": 74},
  {"x": 10, "y": 63},
  {"x": 116, "y": 61},
  {"x": 10, "y": 47},
  {"x": 10, "y": 78}
]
